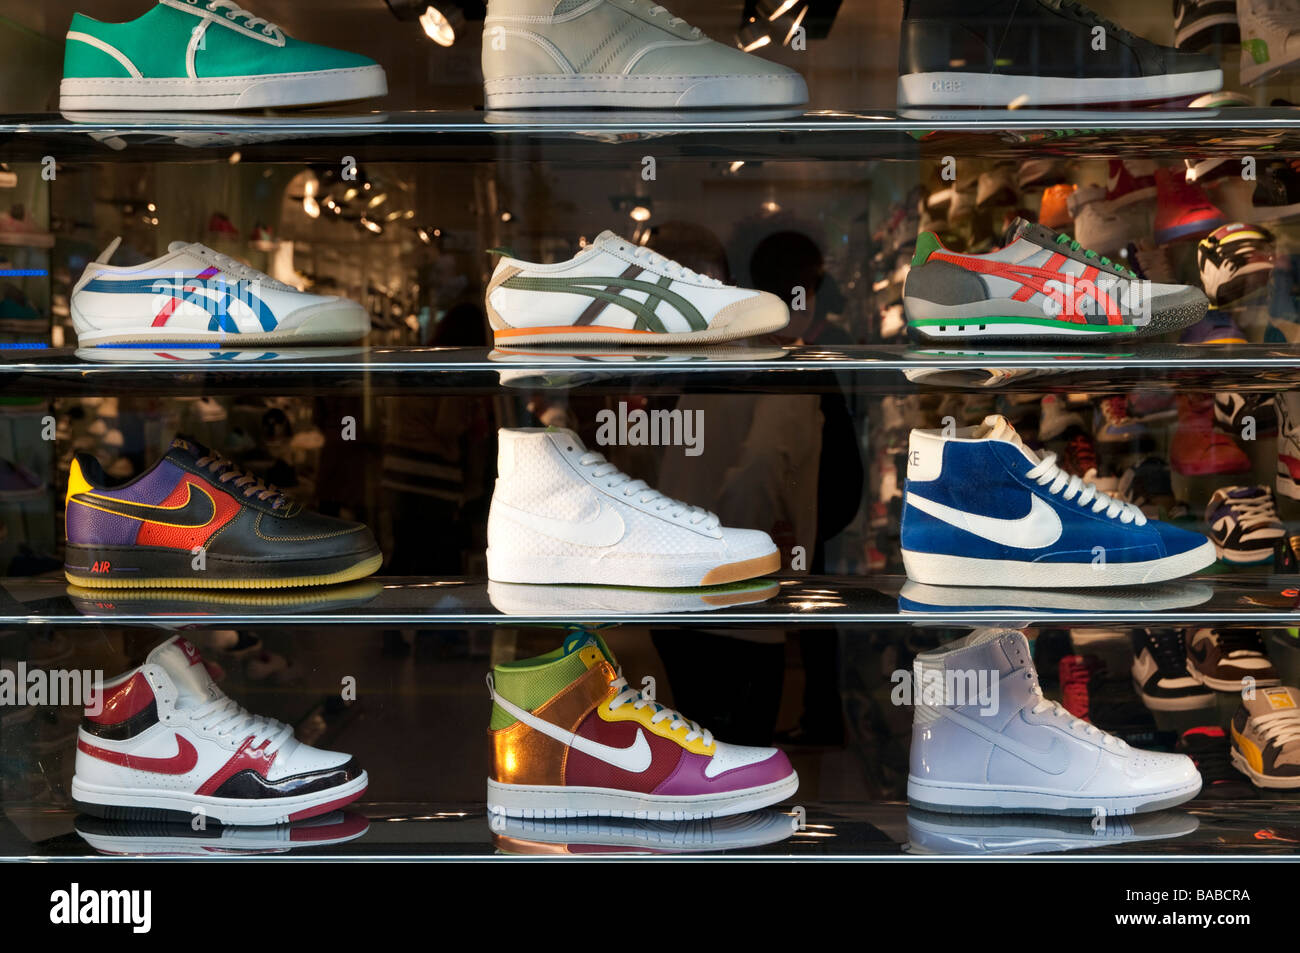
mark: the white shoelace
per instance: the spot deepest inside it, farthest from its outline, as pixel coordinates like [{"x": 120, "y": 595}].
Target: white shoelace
[
  {"x": 1252, "y": 510},
  {"x": 225, "y": 718},
  {"x": 1062, "y": 484},
  {"x": 1279, "y": 727},
  {"x": 638, "y": 700},
  {"x": 656, "y": 9},
  {"x": 614, "y": 478},
  {"x": 235, "y": 12},
  {"x": 653, "y": 261},
  {"x": 1077, "y": 725},
  {"x": 233, "y": 266}
]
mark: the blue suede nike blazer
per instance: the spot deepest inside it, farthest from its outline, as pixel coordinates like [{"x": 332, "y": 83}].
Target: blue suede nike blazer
[{"x": 982, "y": 509}]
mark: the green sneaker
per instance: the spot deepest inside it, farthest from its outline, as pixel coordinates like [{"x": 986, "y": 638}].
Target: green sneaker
[{"x": 205, "y": 54}]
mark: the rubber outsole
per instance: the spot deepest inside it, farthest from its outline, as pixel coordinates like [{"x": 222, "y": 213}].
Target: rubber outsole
[
  {"x": 559, "y": 801},
  {"x": 1019, "y": 801},
  {"x": 619, "y": 91},
  {"x": 135, "y": 805},
  {"x": 940, "y": 569},
  {"x": 959, "y": 88},
  {"x": 590, "y": 334},
  {"x": 198, "y": 581},
  {"x": 224, "y": 92}
]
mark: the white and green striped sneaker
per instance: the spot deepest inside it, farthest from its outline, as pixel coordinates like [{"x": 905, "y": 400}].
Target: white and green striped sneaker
[
  {"x": 616, "y": 292},
  {"x": 205, "y": 54}
]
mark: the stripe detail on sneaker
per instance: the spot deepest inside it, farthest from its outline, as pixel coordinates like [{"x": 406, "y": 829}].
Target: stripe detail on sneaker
[{"x": 646, "y": 318}]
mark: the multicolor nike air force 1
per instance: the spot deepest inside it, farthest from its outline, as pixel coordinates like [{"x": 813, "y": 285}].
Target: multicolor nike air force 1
[
  {"x": 195, "y": 520},
  {"x": 570, "y": 738}
]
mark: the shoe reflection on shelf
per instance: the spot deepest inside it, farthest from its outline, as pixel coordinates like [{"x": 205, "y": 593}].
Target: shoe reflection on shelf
[
  {"x": 611, "y": 835},
  {"x": 200, "y": 602},
  {"x": 530, "y": 599},
  {"x": 179, "y": 839},
  {"x": 931, "y": 832},
  {"x": 202, "y": 353},
  {"x": 915, "y": 597}
]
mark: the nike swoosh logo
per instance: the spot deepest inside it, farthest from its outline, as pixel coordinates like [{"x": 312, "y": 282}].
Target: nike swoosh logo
[
  {"x": 605, "y": 529},
  {"x": 1052, "y": 760},
  {"x": 1039, "y": 528},
  {"x": 635, "y": 758},
  {"x": 198, "y": 509},
  {"x": 182, "y": 762}
]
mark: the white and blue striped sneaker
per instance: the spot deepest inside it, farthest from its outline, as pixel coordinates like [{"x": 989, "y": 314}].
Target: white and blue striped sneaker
[{"x": 194, "y": 295}]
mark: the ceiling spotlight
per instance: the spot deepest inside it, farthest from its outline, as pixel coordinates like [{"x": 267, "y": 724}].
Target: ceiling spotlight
[
  {"x": 378, "y": 200},
  {"x": 507, "y": 217},
  {"x": 772, "y": 9},
  {"x": 443, "y": 20},
  {"x": 640, "y": 214},
  {"x": 442, "y": 27},
  {"x": 736, "y": 166},
  {"x": 794, "y": 26},
  {"x": 310, "y": 206},
  {"x": 371, "y": 226}
]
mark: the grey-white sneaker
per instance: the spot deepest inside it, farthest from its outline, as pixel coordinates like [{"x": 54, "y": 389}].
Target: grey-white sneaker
[
  {"x": 624, "y": 54},
  {"x": 985, "y": 740}
]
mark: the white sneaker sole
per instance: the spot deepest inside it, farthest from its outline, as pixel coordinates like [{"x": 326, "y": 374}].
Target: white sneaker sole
[
  {"x": 224, "y": 92},
  {"x": 330, "y": 325},
  {"x": 1000, "y": 799},
  {"x": 120, "y": 803},
  {"x": 744, "y": 327},
  {"x": 651, "y": 572},
  {"x": 1261, "y": 780},
  {"x": 599, "y": 90},
  {"x": 550, "y": 800},
  {"x": 1186, "y": 703},
  {"x": 943, "y": 570},
  {"x": 988, "y": 89}
]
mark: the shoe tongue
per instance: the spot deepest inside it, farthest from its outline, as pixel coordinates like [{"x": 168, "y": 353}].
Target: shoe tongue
[
  {"x": 187, "y": 451},
  {"x": 1268, "y": 700},
  {"x": 181, "y": 660},
  {"x": 583, "y": 638},
  {"x": 1023, "y": 228},
  {"x": 607, "y": 239},
  {"x": 1244, "y": 492},
  {"x": 997, "y": 427},
  {"x": 569, "y": 434}
]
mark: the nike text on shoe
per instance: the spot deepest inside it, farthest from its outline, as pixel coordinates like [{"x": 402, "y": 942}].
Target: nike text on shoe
[
  {"x": 563, "y": 514},
  {"x": 168, "y": 744},
  {"x": 615, "y": 292},
  {"x": 570, "y": 738},
  {"x": 195, "y": 520},
  {"x": 1041, "y": 284},
  {"x": 626, "y": 54},
  {"x": 1266, "y": 737},
  {"x": 1229, "y": 660},
  {"x": 205, "y": 54},
  {"x": 1017, "y": 53},
  {"x": 1014, "y": 751},
  {"x": 1160, "y": 673},
  {"x": 982, "y": 509},
  {"x": 196, "y": 295}
]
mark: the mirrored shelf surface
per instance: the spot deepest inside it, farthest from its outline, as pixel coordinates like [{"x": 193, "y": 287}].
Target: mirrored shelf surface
[
  {"x": 578, "y": 136},
  {"x": 38, "y": 371},
  {"x": 1238, "y": 598},
  {"x": 886, "y": 831}
]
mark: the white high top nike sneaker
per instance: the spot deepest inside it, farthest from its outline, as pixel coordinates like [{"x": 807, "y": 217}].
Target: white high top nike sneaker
[
  {"x": 563, "y": 514},
  {"x": 985, "y": 740},
  {"x": 625, "y": 54}
]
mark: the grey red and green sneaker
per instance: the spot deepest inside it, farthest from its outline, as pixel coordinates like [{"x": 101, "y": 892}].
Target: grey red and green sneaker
[
  {"x": 1266, "y": 737},
  {"x": 1041, "y": 284},
  {"x": 205, "y": 54}
]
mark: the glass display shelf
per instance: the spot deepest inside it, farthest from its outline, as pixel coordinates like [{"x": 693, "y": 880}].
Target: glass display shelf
[
  {"x": 559, "y": 135},
  {"x": 831, "y": 830},
  {"x": 38, "y": 371},
  {"x": 1250, "y": 599}
]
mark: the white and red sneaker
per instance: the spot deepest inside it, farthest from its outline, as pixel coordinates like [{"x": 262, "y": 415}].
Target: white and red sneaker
[{"x": 168, "y": 744}]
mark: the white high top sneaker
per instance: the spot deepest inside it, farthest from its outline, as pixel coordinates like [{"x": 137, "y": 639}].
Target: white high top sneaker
[
  {"x": 168, "y": 744},
  {"x": 619, "y": 53},
  {"x": 563, "y": 514},
  {"x": 985, "y": 740},
  {"x": 1288, "y": 445},
  {"x": 194, "y": 294},
  {"x": 1270, "y": 37}
]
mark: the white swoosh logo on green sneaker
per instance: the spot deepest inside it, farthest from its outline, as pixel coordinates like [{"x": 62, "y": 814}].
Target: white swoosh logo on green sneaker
[
  {"x": 1039, "y": 528},
  {"x": 635, "y": 758},
  {"x": 605, "y": 529}
]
